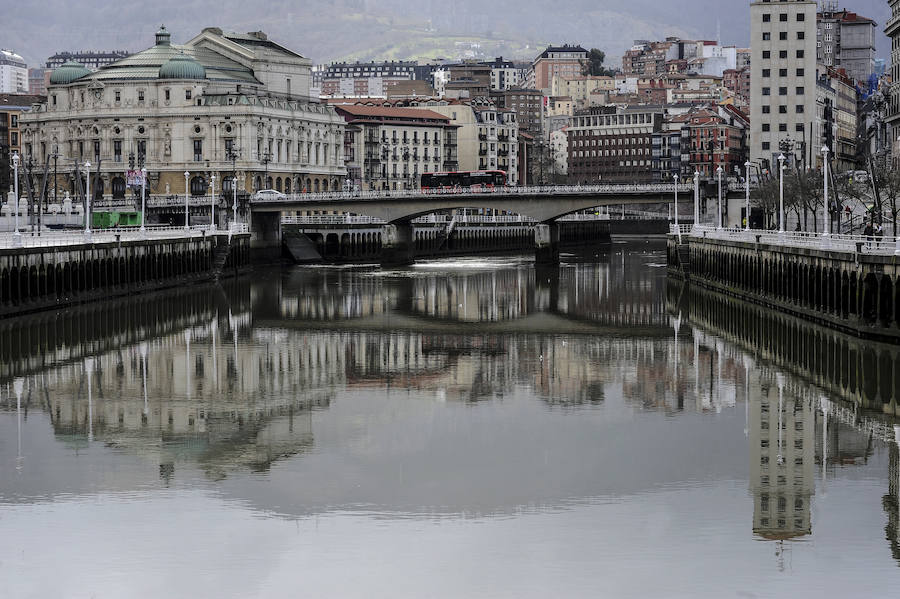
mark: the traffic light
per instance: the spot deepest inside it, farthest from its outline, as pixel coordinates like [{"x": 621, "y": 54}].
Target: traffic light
[{"x": 131, "y": 161}]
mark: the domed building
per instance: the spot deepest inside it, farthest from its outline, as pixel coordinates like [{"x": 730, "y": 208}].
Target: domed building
[{"x": 234, "y": 105}]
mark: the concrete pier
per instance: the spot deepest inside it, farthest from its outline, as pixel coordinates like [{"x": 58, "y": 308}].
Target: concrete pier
[{"x": 40, "y": 277}]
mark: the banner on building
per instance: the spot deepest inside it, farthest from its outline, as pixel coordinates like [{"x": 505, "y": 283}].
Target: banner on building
[{"x": 134, "y": 178}]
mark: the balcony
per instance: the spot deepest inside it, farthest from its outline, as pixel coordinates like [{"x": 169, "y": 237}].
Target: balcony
[
  {"x": 503, "y": 152},
  {"x": 482, "y": 137},
  {"x": 482, "y": 151},
  {"x": 503, "y": 137}
]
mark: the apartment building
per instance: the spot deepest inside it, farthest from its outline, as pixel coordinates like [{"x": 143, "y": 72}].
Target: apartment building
[{"x": 783, "y": 75}]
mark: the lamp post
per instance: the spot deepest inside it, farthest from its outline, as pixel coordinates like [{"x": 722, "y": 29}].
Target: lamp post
[
  {"x": 747, "y": 194},
  {"x": 719, "y": 173},
  {"x": 186, "y": 201},
  {"x": 15, "y": 161},
  {"x": 781, "y": 193},
  {"x": 675, "y": 184},
  {"x": 825, "y": 151},
  {"x": 87, "y": 200},
  {"x": 143, "y": 197},
  {"x": 212, "y": 204},
  {"x": 696, "y": 198}
]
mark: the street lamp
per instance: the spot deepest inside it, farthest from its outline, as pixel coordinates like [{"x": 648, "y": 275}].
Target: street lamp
[
  {"x": 781, "y": 192},
  {"x": 186, "y": 201},
  {"x": 747, "y": 190},
  {"x": 212, "y": 204},
  {"x": 143, "y": 197},
  {"x": 15, "y": 161},
  {"x": 87, "y": 200},
  {"x": 675, "y": 182},
  {"x": 719, "y": 173},
  {"x": 696, "y": 198},
  {"x": 825, "y": 151}
]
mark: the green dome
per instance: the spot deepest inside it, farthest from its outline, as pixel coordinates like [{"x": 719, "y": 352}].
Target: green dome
[
  {"x": 181, "y": 66},
  {"x": 68, "y": 72}
]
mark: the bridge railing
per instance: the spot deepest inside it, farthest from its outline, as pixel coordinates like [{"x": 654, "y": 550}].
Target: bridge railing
[
  {"x": 78, "y": 237},
  {"x": 885, "y": 245},
  {"x": 660, "y": 188}
]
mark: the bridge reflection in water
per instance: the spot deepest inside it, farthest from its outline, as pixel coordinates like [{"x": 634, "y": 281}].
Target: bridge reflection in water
[{"x": 230, "y": 379}]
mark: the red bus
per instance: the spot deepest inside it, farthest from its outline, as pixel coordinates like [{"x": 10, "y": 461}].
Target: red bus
[{"x": 464, "y": 180}]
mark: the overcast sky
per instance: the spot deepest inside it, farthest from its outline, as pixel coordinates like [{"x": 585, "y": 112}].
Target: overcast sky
[{"x": 332, "y": 29}]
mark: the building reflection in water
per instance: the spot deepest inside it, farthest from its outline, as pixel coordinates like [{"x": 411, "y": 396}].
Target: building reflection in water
[
  {"x": 805, "y": 419},
  {"x": 229, "y": 378}
]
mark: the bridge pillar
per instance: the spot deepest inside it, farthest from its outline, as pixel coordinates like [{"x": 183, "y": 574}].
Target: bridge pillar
[
  {"x": 398, "y": 246},
  {"x": 265, "y": 236},
  {"x": 546, "y": 243}
]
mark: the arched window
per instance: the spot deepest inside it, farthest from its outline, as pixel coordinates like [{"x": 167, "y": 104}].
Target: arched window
[
  {"x": 228, "y": 184},
  {"x": 118, "y": 188},
  {"x": 198, "y": 186},
  {"x": 257, "y": 183},
  {"x": 287, "y": 185},
  {"x": 278, "y": 184},
  {"x": 268, "y": 182},
  {"x": 316, "y": 185},
  {"x": 308, "y": 185}
]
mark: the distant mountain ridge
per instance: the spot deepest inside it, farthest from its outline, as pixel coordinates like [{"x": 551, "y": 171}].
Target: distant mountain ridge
[{"x": 390, "y": 29}]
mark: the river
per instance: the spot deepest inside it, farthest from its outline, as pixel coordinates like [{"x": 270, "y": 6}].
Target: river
[{"x": 458, "y": 428}]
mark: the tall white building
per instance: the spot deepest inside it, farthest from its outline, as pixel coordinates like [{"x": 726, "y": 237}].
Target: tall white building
[
  {"x": 783, "y": 78},
  {"x": 13, "y": 73}
]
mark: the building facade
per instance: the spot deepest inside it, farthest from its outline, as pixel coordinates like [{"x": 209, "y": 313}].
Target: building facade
[
  {"x": 13, "y": 73},
  {"x": 565, "y": 61},
  {"x": 528, "y": 104},
  {"x": 845, "y": 40},
  {"x": 12, "y": 107},
  {"x": 783, "y": 75},
  {"x": 613, "y": 145},
  {"x": 892, "y": 117},
  {"x": 236, "y": 106},
  {"x": 93, "y": 60},
  {"x": 392, "y": 147}
]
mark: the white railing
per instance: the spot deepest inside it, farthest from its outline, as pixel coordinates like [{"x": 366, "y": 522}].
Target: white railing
[
  {"x": 531, "y": 190},
  {"x": 833, "y": 242},
  {"x": 79, "y": 237},
  {"x": 458, "y": 220}
]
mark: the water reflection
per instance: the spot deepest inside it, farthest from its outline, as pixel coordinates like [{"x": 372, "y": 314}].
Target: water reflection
[{"x": 478, "y": 391}]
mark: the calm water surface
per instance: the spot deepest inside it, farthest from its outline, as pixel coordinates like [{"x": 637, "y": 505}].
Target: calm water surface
[{"x": 462, "y": 428}]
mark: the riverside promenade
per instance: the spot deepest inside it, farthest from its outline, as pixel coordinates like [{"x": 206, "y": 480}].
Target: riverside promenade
[{"x": 849, "y": 282}]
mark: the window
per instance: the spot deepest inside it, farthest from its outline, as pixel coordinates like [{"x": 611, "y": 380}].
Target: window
[
  {"x": 798, "y": 109},
  {"x": 765, "y": 146},
  {"x": 783, "y": 17},
  {"x": 54, "y": 99},
  {"x": 14, "y": 138},
  {"x": 766, "y": 109},
  {"x": 765, "y": 127},
  {"x": 800, "y": 54},
  {"x": 766, "y": 91},
  {"x": 140, "y": 95},
  {"x": 141, "y": 150},
  {"x": 782, "y": 54},
  {"x": 782, "y": 91},
  {"x": 782, "y": 110},
  {"x": 800, "y": 91},
  {"x": 229, "y": 147},
  {"x": 782, "y": 72},
  {"x": 799, "y": 127},
  {"x": 168, "y": 95},
  {"x": 118, "y": 96},
  {"x": 782, "y": 127},
  {"x": 800, "y": 72},
  {"x": 782, "y": 35},
  {"x": 801, "y": 17},
  {"x": 766, "y": 72},
  {"x": 198, "y": 150},
  {"x": 801, "y": 35},
  {"x": 187, "y": 94},
  {"x": 117, "y": 150},
  {"x": 767, "y": 17},
  {"x": 766, "y": 36},
  {"x": 767, "y": 54}
]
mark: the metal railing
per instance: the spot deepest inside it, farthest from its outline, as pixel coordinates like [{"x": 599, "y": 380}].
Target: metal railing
[
  {"x": 531, "y": 190},
  {"x": 79, "y": 237},
  {"x": 433, "y": 219},
  {"x": 883, "y": 245}
]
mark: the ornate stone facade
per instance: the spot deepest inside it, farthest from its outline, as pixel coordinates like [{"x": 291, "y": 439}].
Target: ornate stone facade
[{"x": 223, "y": 103}]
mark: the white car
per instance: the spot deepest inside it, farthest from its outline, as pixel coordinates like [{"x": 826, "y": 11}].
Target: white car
[{"x": 268, "y": 194}]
